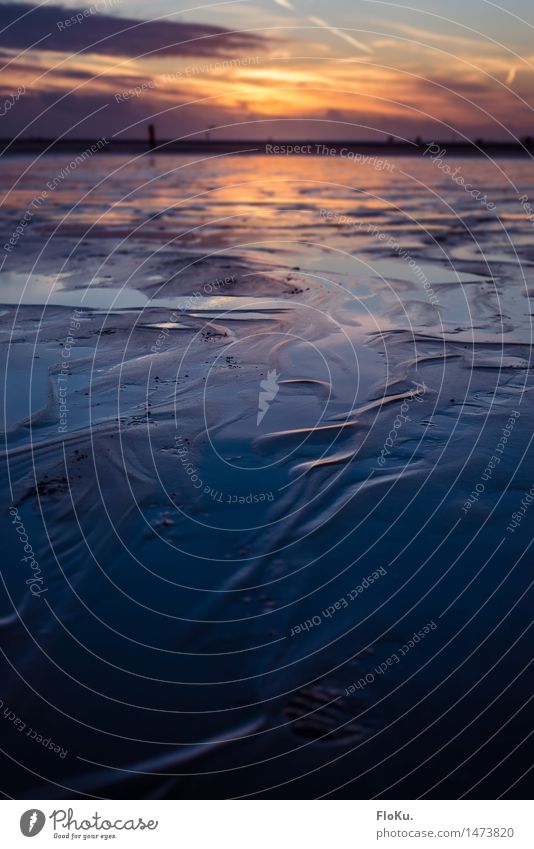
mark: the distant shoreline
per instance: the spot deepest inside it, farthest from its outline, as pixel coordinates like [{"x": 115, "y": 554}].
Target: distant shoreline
[{"x": 307, "y": 148}]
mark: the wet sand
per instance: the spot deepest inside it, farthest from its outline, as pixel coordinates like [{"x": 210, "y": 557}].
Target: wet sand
[{"x": 201, "y": 627}]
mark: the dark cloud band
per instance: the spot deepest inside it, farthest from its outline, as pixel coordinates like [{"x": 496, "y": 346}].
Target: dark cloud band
[{"x": 69, "y": 30}]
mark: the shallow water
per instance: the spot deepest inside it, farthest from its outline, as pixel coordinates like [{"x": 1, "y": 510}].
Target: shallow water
[{"x": 266, "y": 406}]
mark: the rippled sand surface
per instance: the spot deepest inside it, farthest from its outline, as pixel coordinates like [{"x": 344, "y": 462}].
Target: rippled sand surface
[{"x": 266, "y": 419}]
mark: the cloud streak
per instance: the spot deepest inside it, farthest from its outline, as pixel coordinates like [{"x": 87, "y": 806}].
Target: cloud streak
[{"x": 21, "y": 25}]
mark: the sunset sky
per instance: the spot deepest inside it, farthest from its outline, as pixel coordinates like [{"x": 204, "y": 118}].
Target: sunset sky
[{"x": 270, "y": 68}]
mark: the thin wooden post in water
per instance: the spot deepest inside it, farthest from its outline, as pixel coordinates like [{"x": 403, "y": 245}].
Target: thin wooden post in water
[{"x": 151, "y": 136}]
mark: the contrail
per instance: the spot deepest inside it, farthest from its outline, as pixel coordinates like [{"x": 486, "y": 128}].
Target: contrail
[
  {"x": 286, "y": 4},
  {"x": 340, "y": 33}
]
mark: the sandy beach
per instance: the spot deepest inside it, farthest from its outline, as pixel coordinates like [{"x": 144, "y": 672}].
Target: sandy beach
[{"x": 267, "y": 422}]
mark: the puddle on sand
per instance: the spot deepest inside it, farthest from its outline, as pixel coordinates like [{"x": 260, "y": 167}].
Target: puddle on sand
[
  {"x": 24, "y": 289},
  {"x": 366, "y": 265},
  {"x": 27, "y": 390},
  {"x": 433, "y": 273},
  {"x": 48, "y": 289}
]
